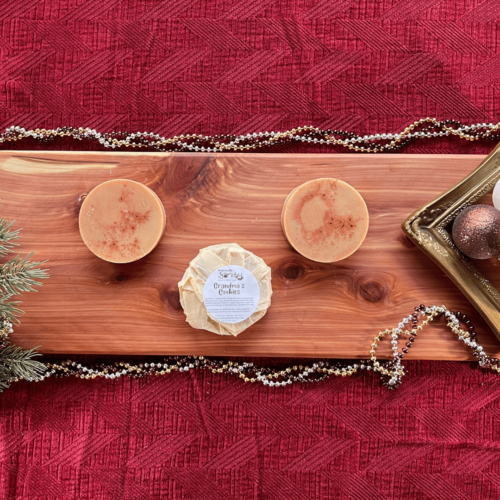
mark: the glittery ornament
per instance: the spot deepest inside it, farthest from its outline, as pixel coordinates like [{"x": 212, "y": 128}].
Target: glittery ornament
[{"x": 475, "y": 231}]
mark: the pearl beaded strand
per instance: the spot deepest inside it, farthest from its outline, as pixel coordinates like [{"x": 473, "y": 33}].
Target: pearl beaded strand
[
  {"x": 375, "y": 143},
  {"x": 391, "y": 371}
]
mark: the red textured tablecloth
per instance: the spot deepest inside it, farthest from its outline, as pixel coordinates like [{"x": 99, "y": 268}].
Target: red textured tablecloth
[{"x": 238, "y": 66}]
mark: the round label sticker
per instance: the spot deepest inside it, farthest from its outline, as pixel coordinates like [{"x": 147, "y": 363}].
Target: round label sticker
[{"x": 231, "y": 294}]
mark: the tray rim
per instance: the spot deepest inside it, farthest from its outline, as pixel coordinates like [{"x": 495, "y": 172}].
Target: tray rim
[{"x": 426, "y": 228}]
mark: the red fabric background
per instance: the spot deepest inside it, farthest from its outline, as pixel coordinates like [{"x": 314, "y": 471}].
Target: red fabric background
[
  {"x": 220, "y": 66},
  {"x": 211, "y": 437},
  {"x": 237, "y": 66}
]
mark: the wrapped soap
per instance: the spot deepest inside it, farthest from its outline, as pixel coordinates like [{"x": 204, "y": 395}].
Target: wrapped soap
[{"x": 225, "y": 289}]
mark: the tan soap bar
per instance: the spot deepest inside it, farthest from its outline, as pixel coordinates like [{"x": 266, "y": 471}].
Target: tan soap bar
[
  {"x": 325, "y": 220},
  {"x": 122, "y": 220},
  {"x": 228, "y": 270}
]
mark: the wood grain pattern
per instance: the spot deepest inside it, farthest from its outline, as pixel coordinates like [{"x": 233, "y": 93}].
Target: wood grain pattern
[{"x": 318, "y": 310}]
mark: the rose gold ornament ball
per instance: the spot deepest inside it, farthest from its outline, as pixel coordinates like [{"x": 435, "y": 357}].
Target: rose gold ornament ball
[{"x": 475, "y": 231}]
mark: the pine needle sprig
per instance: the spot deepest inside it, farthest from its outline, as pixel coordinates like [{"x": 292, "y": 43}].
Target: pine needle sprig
[
  {"x": 7, "y": 236},
  {"x": 10, "y": 309},
  {"x": 21, "y": 275},
  {"x": 15, "y": 363},
  {"x": 17, "y": 275}
]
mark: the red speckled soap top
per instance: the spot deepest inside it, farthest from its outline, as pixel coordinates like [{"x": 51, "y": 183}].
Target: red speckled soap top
[
  {"x": 325, "y": 220},
  {"x": 122, "y": 221}
]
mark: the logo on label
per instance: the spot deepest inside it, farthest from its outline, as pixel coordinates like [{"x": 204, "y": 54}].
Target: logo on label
[{"x": 229, "y": 274}]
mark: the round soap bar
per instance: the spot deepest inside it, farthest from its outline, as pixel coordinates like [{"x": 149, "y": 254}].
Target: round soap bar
[
  {"x": 122, "y": 221},
  {"x": 325, "y": 220}
]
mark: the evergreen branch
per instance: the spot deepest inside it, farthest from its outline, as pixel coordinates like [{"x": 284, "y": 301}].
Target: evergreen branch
[
  {"x": 10, "y": 309},
  {"x": 19, "y": 276},
  {"x": 7, "y": 236},
  {"x": 16, "y": 276},
  {"x": 16, "y": 363}
]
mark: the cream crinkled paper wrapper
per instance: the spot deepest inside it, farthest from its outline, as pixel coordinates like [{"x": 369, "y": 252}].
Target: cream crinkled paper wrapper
[{"x": 202, "y": 266}]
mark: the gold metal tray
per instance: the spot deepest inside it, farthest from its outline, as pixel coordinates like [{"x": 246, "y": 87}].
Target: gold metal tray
[{"x": 429, "y": 229}]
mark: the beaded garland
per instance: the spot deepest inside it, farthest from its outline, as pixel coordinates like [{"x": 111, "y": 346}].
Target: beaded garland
[
  {"x": 391, "y": 372},
  {"x": 377, "y": 143},
  {"x": 5, "y": 330}
]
